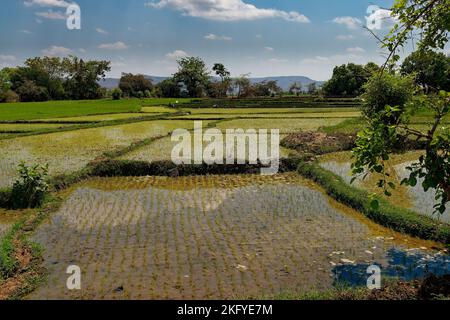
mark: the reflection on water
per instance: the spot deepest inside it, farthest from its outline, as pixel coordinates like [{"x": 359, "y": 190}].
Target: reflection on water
[
  {"x": 403, "y": 264},
  {"x": 207, "y": 237},
  {"x": 414, "y": 198}
]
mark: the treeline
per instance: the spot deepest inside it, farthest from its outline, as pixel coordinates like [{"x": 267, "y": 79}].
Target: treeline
[
  {"x": 52, "y": 78},
  {"x": 429, "y": 69}
]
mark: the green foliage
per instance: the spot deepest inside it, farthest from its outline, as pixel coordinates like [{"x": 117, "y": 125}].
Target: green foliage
[
  {"x": 381, "y": 211},
  {"x": 266, "y": 89},
  {"x": 430, "y": 68},
  {"x": 8, "y": 261},
  {"x": 295, "y": 88},
  {"x": 134, "y": 85},
  {"x": 116, "y": 94},
  {"x": 193, "y": 74},
  {"x": 30, "y": 189},
  {"x": 169, "y": 88},
  {"x": 386, "y": 89},
  {"x": 431, "y": 17},
  {"x": 348, "y": 80},
  {"x": 54, "y": 78},
  {"x": 29, "y": 92}
]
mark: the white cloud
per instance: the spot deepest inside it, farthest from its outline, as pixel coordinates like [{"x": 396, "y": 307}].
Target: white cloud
[
  {"x": 82, "y": 50},
  {"x": 269, "y": 49},
  {"x": 7, "y": 58},
  {"x": 345, "y": 37},
  {"x": 119, "y": 45},
  {"x": 349, "y": 22},
  {"x": 25, "y": 31},
  {"x": 56, "y": 51},
  {"x": 226, "y": 10},
  {"x": 355, "y": 50},
  {"x": 214, "y": 37},
  {"x": 315, "y": 60},
  {"x": 47, "y": 3},
  {"x": 276, "y": 60},
  {"x": 177, "y": 54},
  {"x": 52, "y": 15},
  {"x": 101, "y": 31}
]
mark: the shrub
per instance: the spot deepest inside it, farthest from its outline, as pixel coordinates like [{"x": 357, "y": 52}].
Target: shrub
[
  {"x": 30, "y": 189},
  {"x": 116, "y": 94},
  {"x": 9, "y": 96},
  {"x": 386, "y": 89}
]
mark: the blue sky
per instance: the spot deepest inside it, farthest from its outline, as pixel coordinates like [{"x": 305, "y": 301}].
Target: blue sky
[{"x": 261, "y": 37}]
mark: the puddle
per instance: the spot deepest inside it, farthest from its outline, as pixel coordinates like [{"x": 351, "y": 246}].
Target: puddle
[{"x": 209, "y": 237}]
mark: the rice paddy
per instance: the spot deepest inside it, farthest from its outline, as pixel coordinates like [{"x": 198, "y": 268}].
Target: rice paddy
[
  {"x": 263, "y": 110},
  {"x": 96, "y": 118},
  {"x": 310, "y": 115},
  {"x": 67, "y": 152},
  {"x": 212, "y": 237},
  {"x": 28, "y": 127},
  {"x": 414, "y": 198},
  {"x": 284, "y": 125}
]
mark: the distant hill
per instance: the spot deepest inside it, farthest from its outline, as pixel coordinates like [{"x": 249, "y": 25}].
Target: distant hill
[{"x": 283, "y": 81}]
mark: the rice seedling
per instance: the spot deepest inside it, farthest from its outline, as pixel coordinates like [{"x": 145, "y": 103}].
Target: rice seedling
[
  {"x": 414, "y": 198},
  {"x": 67, "y": 152},
  {"x": 206, "y": 237}
]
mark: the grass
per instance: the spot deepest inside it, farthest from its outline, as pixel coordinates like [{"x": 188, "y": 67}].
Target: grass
[
  {"x": 284, "y": 125},
  {"x": 71, "y": 151},
  {"x": 262, "y": 110},
  {"x": 29, "y": 127},
  {"x": 62, "y": 109}
]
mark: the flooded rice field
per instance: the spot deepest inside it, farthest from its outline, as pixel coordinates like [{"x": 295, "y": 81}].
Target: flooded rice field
[
  {"x": 414, "y": 198},
  {"x": 70, "y": 151},
  {"x": 213, "y": 237}
]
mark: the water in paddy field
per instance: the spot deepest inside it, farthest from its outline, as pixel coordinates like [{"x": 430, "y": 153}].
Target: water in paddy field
[
  {"x": 216, "y": 237},
  {"x": 414, "y": 198}
]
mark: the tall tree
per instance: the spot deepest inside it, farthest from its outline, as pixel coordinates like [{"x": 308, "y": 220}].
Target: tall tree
[
  {"x": 295, "y": 88},
  {"x": 224, "y": 75},
  {"x": 134, "y": 85},
  {"x": 431, "y": 69},
  {"x": 193, "y": 74}
]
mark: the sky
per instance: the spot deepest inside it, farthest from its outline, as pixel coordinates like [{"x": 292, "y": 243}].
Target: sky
[{"x": 256, "y": 37}]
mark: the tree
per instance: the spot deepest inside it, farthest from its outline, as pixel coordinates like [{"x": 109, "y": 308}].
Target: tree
[
  {"x": 295, "y": 88},
  {"x": 131, "y": 84},
  {"x": 348, "y": 80},
  {"x": 169, "y": 88},
  {"x": 387, "y": 89},
  {"x": 391, "y": 125},
  {"x": 431, "y": 69},
  {"x": 193, "y": 74},
  {"x": 5, "y": 81},
  {"x": 243, "y": 86},
  {"x": 83, "y": 76},
  {"x": 312, "y": 88},
  {"x": 30, "y": 92},
  {"x": 116, "y": 94},
  {"x": 225, "y": 80},
  {"x": 266, "y": 88}
]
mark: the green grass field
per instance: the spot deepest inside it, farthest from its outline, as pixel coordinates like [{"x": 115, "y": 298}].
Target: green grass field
[{"x": 61, "y": 109}]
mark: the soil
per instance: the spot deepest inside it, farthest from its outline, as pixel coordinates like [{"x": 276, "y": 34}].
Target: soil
[{"x": 318, "y": 143}]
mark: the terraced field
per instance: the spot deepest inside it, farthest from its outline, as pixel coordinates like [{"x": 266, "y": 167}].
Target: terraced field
[
  {"x": 70, "y": 151},
  {"x": 28, "y": 127},
  {"x": 414, "y": 198},
  {"x": 214, "y": 237}
]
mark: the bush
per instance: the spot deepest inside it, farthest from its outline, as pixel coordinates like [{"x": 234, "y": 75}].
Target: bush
[
  {"x": 386, "y": 89},
  {"x": 116, "y": 94},
  {"x": 30, "y": 92},
  {"x": 9, "y": 96},
  {"x": 30, "y": 189}
]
